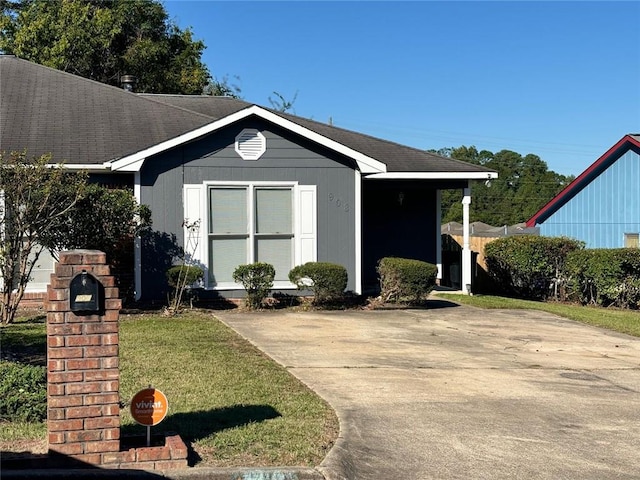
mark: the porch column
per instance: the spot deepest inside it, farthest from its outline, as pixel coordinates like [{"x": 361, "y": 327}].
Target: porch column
[
  {"x": 466, "y": 251},
  {"x": 439, "y": 235}
]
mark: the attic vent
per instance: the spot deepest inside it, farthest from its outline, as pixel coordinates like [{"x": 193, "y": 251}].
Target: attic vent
[{"x": 250, "y": 144}]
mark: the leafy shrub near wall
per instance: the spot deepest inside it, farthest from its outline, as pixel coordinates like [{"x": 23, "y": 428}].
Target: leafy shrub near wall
[
  {"x": 327, "y": 281},
  {"x": 529, "y": 266},
  {"x": 184, "y": 275},
  {"x": 405, "y": 279},
  {"x": 606, "y": 277},
  {"x": 23, "y": 392},
  {"x": 257, "y": 280}
]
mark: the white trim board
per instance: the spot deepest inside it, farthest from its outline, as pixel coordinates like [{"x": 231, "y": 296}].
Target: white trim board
[{"x": 132, "y": 163}]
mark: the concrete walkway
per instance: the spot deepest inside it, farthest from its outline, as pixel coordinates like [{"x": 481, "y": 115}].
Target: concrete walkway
[{"x": 456, "y": 392}]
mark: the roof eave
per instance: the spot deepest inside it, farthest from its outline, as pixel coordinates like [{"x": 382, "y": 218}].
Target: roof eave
[
  {"x": 488, "y": 175},
  {"x": 134, "y": 162}
]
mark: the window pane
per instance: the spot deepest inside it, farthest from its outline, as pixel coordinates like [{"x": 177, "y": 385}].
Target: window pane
[
  {"x": 225, "y": 255},
  {"x": 277, "y": 252},
  {"x": 273, "y": 211},
  {"x": 228, "y": 210}
]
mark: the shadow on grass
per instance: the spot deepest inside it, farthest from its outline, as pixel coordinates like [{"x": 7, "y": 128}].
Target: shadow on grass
[
  {"x": 194, "y": 426},
  {"x": 25, "y": 341}
]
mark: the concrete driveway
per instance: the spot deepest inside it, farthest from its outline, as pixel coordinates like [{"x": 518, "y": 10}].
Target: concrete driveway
[{"x": 456, "y": 392}]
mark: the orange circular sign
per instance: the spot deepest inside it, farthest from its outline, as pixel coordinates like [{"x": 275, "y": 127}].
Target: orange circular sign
[{"x": 149, "y": 407}]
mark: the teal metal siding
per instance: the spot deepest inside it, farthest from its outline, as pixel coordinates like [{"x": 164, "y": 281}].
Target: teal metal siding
[{"x": 602, "y": 212}]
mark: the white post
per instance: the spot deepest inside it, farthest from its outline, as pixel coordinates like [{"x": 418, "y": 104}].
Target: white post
[
  {"x": 439, "y": 234},
  {"x": 466, "y": 251},
  {"x": 137, "y": 242}
]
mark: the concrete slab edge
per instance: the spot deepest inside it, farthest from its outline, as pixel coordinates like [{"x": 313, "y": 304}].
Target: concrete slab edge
[{"x": 272, "y": 473}]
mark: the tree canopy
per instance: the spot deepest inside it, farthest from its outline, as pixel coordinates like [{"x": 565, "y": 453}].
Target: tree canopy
[
  {"x": 105, "y": 39},
  {"x": 524, "y": 185}
]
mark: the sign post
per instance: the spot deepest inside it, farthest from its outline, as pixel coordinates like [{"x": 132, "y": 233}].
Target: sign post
[{"x": 148, "y": 408}]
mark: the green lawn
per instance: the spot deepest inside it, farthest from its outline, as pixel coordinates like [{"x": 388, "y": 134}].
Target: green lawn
[
  {"x": 232, "y": 404},
  {"x": 623, "y": 321}
]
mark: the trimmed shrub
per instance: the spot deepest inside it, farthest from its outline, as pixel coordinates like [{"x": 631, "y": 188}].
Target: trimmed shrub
[
  {"x": 326, "y": 280},
  {"x": 404, "y": 279},
  {"x": 23, "y": 392},
  {"x": 529, "y": 266},
  {"x": 184, "y": 275},
  {"x": 605, "y": 277},
  {"x": 257, "y": 280}
]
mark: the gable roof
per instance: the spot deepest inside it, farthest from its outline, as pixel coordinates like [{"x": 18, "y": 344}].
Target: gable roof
[
  {"x": 630, "y": 141},
  {"x": 87, "y": 124}
]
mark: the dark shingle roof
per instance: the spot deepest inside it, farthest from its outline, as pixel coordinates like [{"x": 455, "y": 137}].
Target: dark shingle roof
[
  {"x": 398, "y": 158},
  {"x": 85, "y": 122},
  {"x": 80, "y": 121}
]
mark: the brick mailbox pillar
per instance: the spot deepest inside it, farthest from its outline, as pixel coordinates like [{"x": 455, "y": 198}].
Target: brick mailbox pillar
[{"x": 82, "y": 360}]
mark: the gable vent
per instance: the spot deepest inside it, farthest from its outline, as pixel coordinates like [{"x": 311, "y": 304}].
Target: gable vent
[{"x": 250, "y": 144}]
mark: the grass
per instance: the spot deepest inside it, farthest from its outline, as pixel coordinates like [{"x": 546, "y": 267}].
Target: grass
[
  {"x": 619, "y": 320},
  {"x": 229, "y": 402}
]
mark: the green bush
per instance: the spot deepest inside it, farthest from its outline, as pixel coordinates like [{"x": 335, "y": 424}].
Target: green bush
[
  {"x": 404, "y": 279},
  {"x": 184, "y": 275},
  {"x": 327, "y": 281},
  {"x": 23, "y": 392},
  {"x": 605, "y": 277},
  {"x": 257, "y": 280},
  {"x": 529, "y": 266}
]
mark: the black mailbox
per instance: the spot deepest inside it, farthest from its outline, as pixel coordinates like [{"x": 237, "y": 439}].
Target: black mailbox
[{"x": 85, "y": 293}]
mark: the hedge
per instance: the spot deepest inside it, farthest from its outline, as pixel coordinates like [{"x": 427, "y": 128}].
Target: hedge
[
  {"x": 405, "y": 279},
  {"x": 605, "y": 277},
  {"x": 327, "y": 281},
  {"x": 529, "y": 266},
  {"x": 257, "y": 279}
]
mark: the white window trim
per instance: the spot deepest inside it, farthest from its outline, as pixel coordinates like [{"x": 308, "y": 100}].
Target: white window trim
[{"x": 202, "y": 255}]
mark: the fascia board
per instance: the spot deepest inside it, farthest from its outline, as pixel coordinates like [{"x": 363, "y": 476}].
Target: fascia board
[
  {"x": 133, "y": 163},
  {"x": 432, "y": 176},
  {"x": 365, "y": 163},
  {"x": 79, "y": 166}
]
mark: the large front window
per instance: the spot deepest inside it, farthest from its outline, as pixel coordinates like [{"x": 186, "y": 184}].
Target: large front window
[{"x": 250, "y": 224}]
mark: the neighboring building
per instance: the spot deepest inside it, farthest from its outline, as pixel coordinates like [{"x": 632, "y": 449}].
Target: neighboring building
[
  {"x": 264, "y": 185},
  {"x": 601, "y": 206}
]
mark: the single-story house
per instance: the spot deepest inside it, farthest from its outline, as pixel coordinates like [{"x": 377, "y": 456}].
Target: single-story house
[
  {"x": 261, "y": 184},
  {"x": 601, "y": 207}
]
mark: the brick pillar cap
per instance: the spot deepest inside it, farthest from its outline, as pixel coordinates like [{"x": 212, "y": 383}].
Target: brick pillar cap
[{"x": 83, "y": 251}]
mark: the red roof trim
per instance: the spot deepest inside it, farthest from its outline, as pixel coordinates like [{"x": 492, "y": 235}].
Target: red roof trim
[{"x": 556, "y": 202}]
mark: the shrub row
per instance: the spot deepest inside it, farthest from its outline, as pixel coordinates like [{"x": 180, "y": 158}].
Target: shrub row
[
  {"x": 605, "y": 277},
  {"x": 528, "y": 266},
  {"x": 538, "y": 268},
  {"x": 401, "y": 279}
]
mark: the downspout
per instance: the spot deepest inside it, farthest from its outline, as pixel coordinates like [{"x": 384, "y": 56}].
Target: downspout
[{"x": 466, "y": 250}]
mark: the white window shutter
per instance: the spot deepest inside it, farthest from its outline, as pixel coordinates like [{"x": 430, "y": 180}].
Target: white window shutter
[
  {"x": 306, "y": 224},
  {"x": 194, "y": 211}
]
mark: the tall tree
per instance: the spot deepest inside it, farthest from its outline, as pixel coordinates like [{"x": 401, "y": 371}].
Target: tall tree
[
  {"x": 524, "y": 185},
  {"x": 34, "y": 199},
  {"x": 105, "y": 39}
]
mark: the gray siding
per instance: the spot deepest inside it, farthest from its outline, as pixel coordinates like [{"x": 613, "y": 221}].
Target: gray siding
[{"x": 288, "y": 158}]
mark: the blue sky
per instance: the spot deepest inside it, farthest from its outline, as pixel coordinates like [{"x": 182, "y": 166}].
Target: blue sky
[{"x": 557, "y": 79}]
